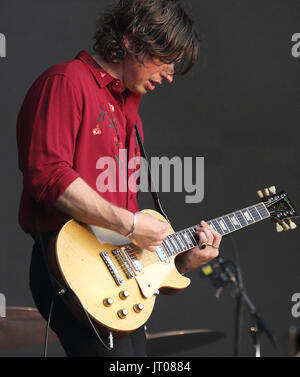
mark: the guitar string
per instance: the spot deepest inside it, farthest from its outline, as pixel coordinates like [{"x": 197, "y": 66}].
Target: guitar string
[
  {"x": 224, "y": 231},
  {"x": 179, "y": 242},
  {"x": 236, "y": 213},
  {"x": 175, "y": 251},
  {"x": 155, "y": 258},
  {"x": 151, "y": 256}
]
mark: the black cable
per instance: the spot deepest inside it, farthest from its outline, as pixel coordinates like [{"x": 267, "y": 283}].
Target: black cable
[
  {"x": 238, "y": 309},
  {"x": 61, "y": 291},
  {"x": 47, "y": 328},
  {"x": 237, "y": 263}
]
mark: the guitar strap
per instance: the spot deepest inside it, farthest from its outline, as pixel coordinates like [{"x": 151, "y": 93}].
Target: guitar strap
[{"x": 151, "y": 183}]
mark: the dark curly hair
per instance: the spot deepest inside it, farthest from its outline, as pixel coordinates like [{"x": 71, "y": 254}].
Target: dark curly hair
[{"x": 157, "y": 28}]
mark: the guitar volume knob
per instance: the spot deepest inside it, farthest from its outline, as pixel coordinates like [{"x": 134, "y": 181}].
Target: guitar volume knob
[
  {"x": 123, "y": 295},
  {"x": 122, "y": 313},
  {"x": 108, "y": 301},
  {"x": 138, "y": 308}
]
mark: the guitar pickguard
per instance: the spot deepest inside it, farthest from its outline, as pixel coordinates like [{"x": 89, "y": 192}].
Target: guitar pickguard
[{"x": 152, "y": 276}]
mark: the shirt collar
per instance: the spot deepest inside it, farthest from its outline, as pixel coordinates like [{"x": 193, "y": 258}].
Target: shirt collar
[{"x": 102, "y": 77}]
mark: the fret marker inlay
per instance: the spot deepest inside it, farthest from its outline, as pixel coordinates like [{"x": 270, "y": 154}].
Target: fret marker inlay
[
  {"x": 247, "y": 216},
  {"x": 221, "y": 222},
  {"x": 234, "y": 221},
  {"x": 186, "y": 239}
]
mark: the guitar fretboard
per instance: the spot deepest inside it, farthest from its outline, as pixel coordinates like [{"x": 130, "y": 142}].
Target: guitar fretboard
[{"x": 187, "y": 238}]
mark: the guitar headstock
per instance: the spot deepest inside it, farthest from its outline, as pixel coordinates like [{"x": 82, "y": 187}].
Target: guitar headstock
[{"x": 280, "y": 207}]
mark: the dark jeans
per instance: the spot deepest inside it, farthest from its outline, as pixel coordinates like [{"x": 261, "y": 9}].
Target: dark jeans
[{"x": 77, "y": 339}]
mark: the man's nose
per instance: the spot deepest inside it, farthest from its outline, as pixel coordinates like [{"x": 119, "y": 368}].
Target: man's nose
[{"x": 168, "y": 73}]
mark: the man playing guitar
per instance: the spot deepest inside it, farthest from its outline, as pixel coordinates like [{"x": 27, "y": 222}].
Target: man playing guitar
[{"x": 79, "y": 111}]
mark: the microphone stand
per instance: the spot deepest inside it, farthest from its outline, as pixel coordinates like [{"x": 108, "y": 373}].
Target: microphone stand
[
  {"x": 260, "y": 325},
  {"x": 237, "y": 281}
]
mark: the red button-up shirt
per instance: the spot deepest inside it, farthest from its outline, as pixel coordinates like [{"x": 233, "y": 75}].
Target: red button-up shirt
[{"x": 73, "y": 116}]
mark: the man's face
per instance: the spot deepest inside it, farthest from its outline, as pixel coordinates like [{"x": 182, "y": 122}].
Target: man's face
[{"x": 141, "y": 78}]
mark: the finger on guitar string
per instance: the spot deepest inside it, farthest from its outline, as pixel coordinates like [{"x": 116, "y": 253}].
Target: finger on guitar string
[
  {"x": 213, "y": 237},
  {"x": 205, "y": 235}
]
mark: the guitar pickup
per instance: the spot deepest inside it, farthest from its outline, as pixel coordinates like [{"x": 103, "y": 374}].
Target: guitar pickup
[
  {"x": 161, "y": 254},
  {"x": 111, "y": 267},
  {"x": 131, "y": 255},
  {"x": 117, "y": 253}
]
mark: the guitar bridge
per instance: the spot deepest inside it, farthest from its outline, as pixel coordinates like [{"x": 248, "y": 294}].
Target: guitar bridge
[{"x": 111, "y": 267}]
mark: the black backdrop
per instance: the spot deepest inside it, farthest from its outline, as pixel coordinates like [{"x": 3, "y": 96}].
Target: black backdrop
[{"x": 239, "y": 108}]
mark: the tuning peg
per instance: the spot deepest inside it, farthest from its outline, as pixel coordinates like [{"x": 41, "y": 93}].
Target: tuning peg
[
  {"x": 292, "y": 224},
  {"x": 279, "y": 228},
  {"x": 266, "y": 192},
  {"x": 272, "y": 190},
  {"x": 285, "y": 225},
  {"x": 260, "y": 194}
]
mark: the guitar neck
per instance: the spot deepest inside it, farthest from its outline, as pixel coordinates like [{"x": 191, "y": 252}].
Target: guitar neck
[{"x": 187, "y": 238}]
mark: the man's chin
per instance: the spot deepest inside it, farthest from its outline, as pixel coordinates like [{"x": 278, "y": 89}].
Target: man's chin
[{"x": 141, "y": 90}]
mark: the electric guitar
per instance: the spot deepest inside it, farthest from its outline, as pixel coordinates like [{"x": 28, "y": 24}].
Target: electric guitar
[{"x": 117, "y": 283}]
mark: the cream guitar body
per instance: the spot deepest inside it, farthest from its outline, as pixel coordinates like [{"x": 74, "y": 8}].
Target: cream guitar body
[{"x": 116, "y": 282}]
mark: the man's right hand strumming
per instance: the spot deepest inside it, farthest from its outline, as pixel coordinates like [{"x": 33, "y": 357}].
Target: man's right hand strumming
[
  {"x": 148, "y": 232},
  {"x": 84, "y": 204}
]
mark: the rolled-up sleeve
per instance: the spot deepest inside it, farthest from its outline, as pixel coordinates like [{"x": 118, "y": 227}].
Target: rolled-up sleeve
[{"x": 47, "y": 128}]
